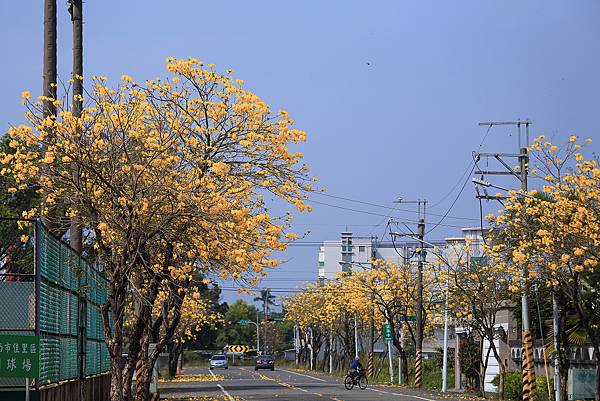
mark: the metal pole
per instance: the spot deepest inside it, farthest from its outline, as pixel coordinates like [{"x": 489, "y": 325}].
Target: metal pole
[
  {"x": 419, "y": 307},
  {"x": 331, "y": 352},
  {"x": 355, "y": 338},
  {"x": 297, "y": 343},
  {"x": 557, "y": 392},
  {"x": 27, "y": 389},
  {"x": 527, "y": 339},
  {"x": 445, "y": 363},
  {"x": 311, "y": 349},
  {"x": 389, "y": 344},
  {"x": 400, "y": 355},
  {"x": 257, "y": 335}
]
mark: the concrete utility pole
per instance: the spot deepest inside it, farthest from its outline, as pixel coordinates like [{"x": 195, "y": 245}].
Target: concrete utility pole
[
  {"x": 419, "y": 307},
  {"x": 419, "y": 301},
  {"x": 76, "y": 11},
  {"x": 49, "y": 76},
  {"x": 75, "y": 239},
  {"x": 528, "y": 362},
  {"x": 528, "y": 365},
  {"x": 370, "y": 360}
]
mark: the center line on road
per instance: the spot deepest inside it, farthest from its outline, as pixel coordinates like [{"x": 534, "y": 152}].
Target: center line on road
[{"x": 300, "y": 374}]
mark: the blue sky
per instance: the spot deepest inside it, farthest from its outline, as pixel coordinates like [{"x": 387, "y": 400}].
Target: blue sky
[{"x": 390, "y": 92}]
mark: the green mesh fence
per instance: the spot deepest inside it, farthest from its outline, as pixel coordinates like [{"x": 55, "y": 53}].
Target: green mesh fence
[
  {"x": 64, "y": 276},
  {"x": 52, "y": 288}
]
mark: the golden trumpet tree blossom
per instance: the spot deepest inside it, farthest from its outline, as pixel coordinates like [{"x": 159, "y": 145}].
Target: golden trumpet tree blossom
[
  {"x": 169, "y": 176},
  {"x": 553, "y": 235}
]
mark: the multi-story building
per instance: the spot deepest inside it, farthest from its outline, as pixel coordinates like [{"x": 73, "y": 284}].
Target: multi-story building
[{"x": 351, "y": 253}]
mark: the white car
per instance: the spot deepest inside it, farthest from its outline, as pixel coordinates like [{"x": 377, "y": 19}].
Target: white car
[{"x": 218, "y": 361}]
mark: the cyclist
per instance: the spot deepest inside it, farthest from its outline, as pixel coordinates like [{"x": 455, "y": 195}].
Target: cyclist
[{"x": 355, "y": 367}]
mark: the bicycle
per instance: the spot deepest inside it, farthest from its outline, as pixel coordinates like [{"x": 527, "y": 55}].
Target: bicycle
[{"x": 360, "y": 380}]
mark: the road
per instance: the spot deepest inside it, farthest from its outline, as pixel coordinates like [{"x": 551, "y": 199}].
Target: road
[{"x": 243, "y": 383}]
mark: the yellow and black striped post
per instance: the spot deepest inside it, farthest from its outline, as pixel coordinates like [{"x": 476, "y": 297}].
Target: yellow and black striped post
[
  {"x": 139, "y": 388},
  {"x": 370, "y": 365},
  {"x": 528, "y": 367},
  {"x": 418, "y": 367}
]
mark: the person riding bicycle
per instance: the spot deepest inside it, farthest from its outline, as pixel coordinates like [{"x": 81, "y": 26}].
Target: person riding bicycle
[{"x": 355, "y": 367}]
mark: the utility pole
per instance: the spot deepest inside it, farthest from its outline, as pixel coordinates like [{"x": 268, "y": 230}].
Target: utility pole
[
  {"x": 370, "y": 360},
  {"x": 419, "y": 301},
  {"x": 419, "y": 307},
  {"x": 76, "y": 11},
  {"x": 528, "y": 364},
  {"x": 75, "y": 240},
  {"x": 49, "y": 77}
]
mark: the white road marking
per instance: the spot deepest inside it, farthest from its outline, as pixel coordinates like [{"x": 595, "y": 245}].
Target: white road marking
[
  {"x": 300, "y": 374},
  {"x": 227, "y": 395},
  {"x": 401, "y": 395}
]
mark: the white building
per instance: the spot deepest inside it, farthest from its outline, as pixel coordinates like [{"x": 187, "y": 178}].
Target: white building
[{"x": 351, "y": 253}]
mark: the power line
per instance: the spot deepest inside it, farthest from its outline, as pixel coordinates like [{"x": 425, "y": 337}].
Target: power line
[
  {"x": 468, "y": 167},
  {"x": 386, "y": 207},
  {"x": 379, "y": 214},
  {"x": 439, "y": 223}
]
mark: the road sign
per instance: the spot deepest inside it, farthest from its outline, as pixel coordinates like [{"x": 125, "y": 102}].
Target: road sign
[
  {"x": 237, "y": 348},
  {"x": 408, "y": 318},
  {"x": 387, "y": 332},
  {"x": 243, "y": 322},
  {"x": 19, "y": 356}
]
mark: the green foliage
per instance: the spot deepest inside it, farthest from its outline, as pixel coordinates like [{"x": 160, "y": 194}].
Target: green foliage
[
  {"x": 17, "y": 254},
  {"x": 232, "y": 332},
  {"x": 432, "y": 374},
  {"x": 513, "y": 386}
]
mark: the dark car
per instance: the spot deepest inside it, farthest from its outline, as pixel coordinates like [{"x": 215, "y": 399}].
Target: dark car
[{"x": 264, "y": 362}]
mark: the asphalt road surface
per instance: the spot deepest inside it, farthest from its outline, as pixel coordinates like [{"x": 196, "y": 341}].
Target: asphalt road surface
[{"x": 243, "y": 383}]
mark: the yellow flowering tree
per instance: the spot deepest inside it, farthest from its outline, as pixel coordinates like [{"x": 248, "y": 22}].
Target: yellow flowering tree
[
  {"x": 172, "y": 180},
  {"x": 392, "y": 289},
  {"x": 478, "y": 290},
  {"x": 554, "y": 234}
]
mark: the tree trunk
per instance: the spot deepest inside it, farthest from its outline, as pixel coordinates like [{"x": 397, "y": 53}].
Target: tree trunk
[
  {"x": 174, "y": 352},
  {"x": 142, "y": 385},
  {"x": 404, "y": 360},
  {"x": 116, "y": 373},
  {"x": 501, "y": 383}
]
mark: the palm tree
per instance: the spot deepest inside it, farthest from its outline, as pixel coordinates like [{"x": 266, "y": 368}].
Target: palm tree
[{"x": 267, "y": 300}]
